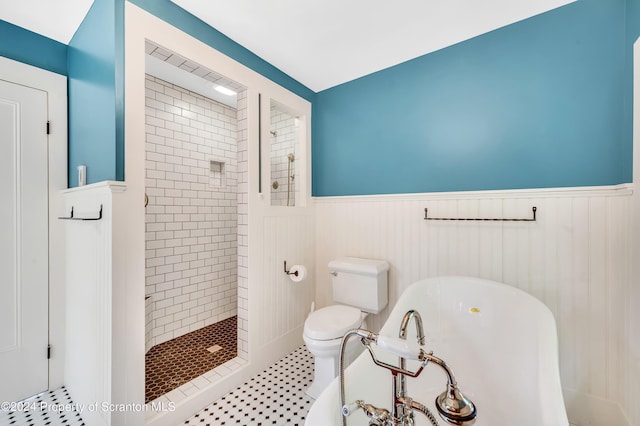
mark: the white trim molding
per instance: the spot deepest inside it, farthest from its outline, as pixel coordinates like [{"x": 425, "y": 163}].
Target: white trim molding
[
  {"x": 56, "y": 87},
  {"x": 286, "y": 232},
  {"x": 91, "y": 274}
]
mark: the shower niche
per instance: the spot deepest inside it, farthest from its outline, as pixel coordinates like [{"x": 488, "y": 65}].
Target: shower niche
[
  {"x": 218, "y": 176},
  {"x": 285, "y": 136}
]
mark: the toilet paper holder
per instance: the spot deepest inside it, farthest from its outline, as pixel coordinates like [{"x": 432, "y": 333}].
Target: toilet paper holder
[{"x": 287, "y": 271}]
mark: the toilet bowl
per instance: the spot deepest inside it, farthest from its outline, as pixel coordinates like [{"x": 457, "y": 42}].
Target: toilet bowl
[
  {"x": 323, "y": 331},
  {"x": 360, "y": 286}
]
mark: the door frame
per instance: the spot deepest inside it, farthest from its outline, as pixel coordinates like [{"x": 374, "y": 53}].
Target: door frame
[
  {"x": 56, "y": 87},
  {"x": 141, "y": 25}
]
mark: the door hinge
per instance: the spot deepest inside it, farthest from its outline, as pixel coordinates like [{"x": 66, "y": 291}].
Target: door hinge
[
  {"x": 48, "y": 351},
  {"x": 48, "y": 127}
]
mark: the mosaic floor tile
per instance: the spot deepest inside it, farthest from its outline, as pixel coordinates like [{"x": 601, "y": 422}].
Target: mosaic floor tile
[
  {"x": 52, "y": 408},
  {"x": 273, "y": 397},
  {"x": 171, "y": 364}
]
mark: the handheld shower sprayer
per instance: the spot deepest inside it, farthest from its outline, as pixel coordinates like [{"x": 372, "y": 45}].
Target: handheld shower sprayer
[
  {"x": 394, "y": 345},
  {"x": 400, "y": 347},
  {"x": 290, "y": 176}
]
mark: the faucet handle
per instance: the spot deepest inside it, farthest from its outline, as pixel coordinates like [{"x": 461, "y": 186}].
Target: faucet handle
[
  {"x": 400, "y": 347},
  {"x": 377, "y": 416},
  {"x": 349, "y": 409}
]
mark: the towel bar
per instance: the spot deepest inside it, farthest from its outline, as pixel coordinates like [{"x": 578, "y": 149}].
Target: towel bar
[{"x": 532, "y": 219}]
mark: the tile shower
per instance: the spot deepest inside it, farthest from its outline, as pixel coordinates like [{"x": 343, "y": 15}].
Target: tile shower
[
  {"x": 191, "y": 215},
  {"x": 284, "y": 142}
]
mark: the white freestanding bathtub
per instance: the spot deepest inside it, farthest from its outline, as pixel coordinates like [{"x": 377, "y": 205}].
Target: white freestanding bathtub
[{"x": 500, "y": 342}]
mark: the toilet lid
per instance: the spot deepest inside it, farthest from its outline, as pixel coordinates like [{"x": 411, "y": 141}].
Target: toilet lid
[{"x": 332, "y": 322}]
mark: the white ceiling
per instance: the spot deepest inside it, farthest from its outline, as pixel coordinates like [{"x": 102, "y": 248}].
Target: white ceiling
[
  {"x": 325, "y": 43},
  {"x": 321, "y": 44},
  {"x": 56, "y": 19}
]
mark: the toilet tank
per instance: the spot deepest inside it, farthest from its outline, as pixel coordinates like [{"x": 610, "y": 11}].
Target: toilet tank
[{"x": 361, "y": 283}]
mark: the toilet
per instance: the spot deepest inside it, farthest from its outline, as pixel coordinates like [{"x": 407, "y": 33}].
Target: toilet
[{"x": 359, "y": 289}]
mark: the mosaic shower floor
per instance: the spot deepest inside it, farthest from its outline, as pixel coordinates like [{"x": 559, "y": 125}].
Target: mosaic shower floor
[{"x": 171, "y": 364}]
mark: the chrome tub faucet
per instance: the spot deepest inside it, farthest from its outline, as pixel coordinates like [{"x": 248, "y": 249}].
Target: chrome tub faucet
[
  {"x": 400, "y": 380},
  {"x": 453, "y": 407}
]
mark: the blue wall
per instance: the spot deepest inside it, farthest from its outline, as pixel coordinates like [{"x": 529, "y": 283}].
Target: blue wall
[
  {"x": 94, "y": 63},
  {"x": 34, "y": 49},
  {"x": 95, "y": 69},
  {"x": 540, "y": 103},
  {"x": 96, "y": 82}
]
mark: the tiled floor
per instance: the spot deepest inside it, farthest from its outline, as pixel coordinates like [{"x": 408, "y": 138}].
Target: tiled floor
[
  {"x": 174, "y": 363},
  {"x": 53, "y": 408},
  {"x": 274, "y": 397}
]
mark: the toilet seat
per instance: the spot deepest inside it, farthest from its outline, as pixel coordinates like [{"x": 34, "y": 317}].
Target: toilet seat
[{"x": 332, "y": 322}]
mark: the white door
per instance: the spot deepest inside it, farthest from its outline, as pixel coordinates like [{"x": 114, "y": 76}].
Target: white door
[{"x": 24, "y": 254}]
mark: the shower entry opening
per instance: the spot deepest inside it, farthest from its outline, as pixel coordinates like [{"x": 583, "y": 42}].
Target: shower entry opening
[{"x": 195, "y": 123}]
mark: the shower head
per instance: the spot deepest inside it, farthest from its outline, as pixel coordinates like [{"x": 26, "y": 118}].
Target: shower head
[
  {"x": 291, "y": 157},
  {"x": 273, "y": 132},
  {"x": 455, "y": 408}
]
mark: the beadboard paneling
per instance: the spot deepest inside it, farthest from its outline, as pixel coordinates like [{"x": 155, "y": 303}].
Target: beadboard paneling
[
  {"x": 89, "y": 298},
  {"x": 286, "y": 304},
  {"x": 574, "y": 258}
]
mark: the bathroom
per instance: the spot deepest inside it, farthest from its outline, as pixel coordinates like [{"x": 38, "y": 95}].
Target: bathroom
[{"x": 372, "y": 181}]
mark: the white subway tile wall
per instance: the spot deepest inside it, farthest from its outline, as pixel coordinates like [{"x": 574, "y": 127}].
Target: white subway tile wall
[
  {"x": 284, "y": 141},
  {"x": 192, "y": 215}
]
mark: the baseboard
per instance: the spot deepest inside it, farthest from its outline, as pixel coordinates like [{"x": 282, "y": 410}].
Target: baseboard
[
  {"x": 589, "y": 410},
  {"x": 632, "y": 390},
  {"x": 271, "y": 352}
]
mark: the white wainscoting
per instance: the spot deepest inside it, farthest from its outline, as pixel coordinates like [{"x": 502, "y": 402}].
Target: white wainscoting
[
  {"x": 285, "y": 304},
  {"x": 89, "y": 299},
  {"x": 632, "y": 347},
  {"x": 575, "y": 258},
  {"x": 99, "y": 332}
]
